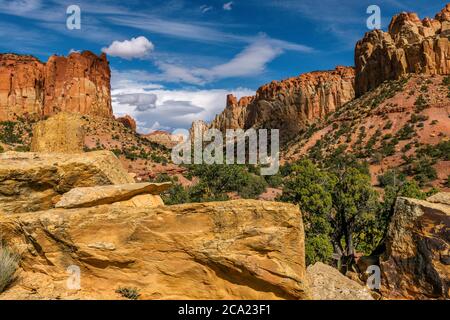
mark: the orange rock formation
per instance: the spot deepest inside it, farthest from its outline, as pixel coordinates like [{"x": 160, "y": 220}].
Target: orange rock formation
[{"x": 79, "y": 83}]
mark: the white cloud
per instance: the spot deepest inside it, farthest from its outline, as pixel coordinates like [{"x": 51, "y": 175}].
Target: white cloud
[
  {"x": 228, "y": 6},
  {"x": 19, "y": 7},
  {"x": 249, "y": 62},
  {"x": 131, "y": 79},
  {"x": 195, "y": 31},
  {"x": 173, "y": 108},
  {"x": 174, "y": 73},
  {"x": 139, "y": 47},
  {"x": 141, "y": 101},
  {"x": 205, "y": 8}
]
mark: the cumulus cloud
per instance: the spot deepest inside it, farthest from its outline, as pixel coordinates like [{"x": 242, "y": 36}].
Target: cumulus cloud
[
  {"x": 139, "y": 47},
  {"x": 228, "y": 6}
]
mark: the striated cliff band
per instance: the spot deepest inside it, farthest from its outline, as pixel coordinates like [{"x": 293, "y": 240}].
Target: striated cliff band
[
  {"x": 290, "y": 105},
  {"x": 79, "y": 83}
]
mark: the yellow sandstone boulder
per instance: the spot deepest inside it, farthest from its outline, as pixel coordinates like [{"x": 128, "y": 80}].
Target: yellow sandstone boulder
[
  {"x": 36, "y": 181},
  {"x": 242, "y": 249}
]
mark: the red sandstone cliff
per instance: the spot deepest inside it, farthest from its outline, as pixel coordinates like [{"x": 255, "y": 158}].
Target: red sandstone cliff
[
  {"x": 289, "y": 105},
  {"x": 411, "y": 45},
  {"x": 79, "y": 83}
]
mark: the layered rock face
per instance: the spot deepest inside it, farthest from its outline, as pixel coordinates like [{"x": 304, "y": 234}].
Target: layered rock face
[
  {"x": 22, "y": 86},
  {"x": 291, "y": 104},
  {"x": 83, "y": 212},
  {"x": 79, "y": 83},
  {"x": 242, "y": 249},
  {"x": 36, "y": 181},
  {"x": 416, "y": 264},
  {"x": 411, "y": 45},
  {"x": 234, "y": 115}
]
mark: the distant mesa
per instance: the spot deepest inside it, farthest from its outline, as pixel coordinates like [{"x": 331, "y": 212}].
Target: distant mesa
[{"x": 164, "y": 138}]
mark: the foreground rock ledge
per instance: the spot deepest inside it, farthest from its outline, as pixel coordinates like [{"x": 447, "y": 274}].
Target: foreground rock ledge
[
  {"x": 243, "y": 249},
  {"x": 93, "y": 196},
  {"x": 35, "y": 181}
]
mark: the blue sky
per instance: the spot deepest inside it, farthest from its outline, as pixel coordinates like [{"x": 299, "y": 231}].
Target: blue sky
[{"x": 174, "y": 61}]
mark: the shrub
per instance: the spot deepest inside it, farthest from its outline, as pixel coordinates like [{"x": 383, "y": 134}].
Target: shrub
[
  {"x": 391, "y": 177},
  {"x": 176, "y": 194},
  {"x": 406, "y": 133},
  {"x": 275, "y": 180},
  {"x": 388, "y": 125},
  {"x": 438, "y": 151},
  {"x": 129, "y": 293},
  {"x": 446, "y": 81},
  {"x": 418, "y": 118},
  {"x": 216, "y": 181},
  {"x": 420, "y": 103},
  {"x": 423, "y": 170},
  {"x": 318, "y": 248},
  {"x": 407, "y": 147},
  {"x": 8, "y": 133},
  {"x": 9, "y": 261}
]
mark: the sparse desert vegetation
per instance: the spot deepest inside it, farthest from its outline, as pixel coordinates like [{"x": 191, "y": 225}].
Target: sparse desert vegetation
[{"x": 9, "y": 261}]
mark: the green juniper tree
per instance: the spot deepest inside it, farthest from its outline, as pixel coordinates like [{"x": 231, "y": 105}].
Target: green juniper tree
[{"x": 340, "y": 210}]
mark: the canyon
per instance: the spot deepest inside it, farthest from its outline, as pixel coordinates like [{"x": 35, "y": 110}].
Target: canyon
[{"x": 71, "y": 190}]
